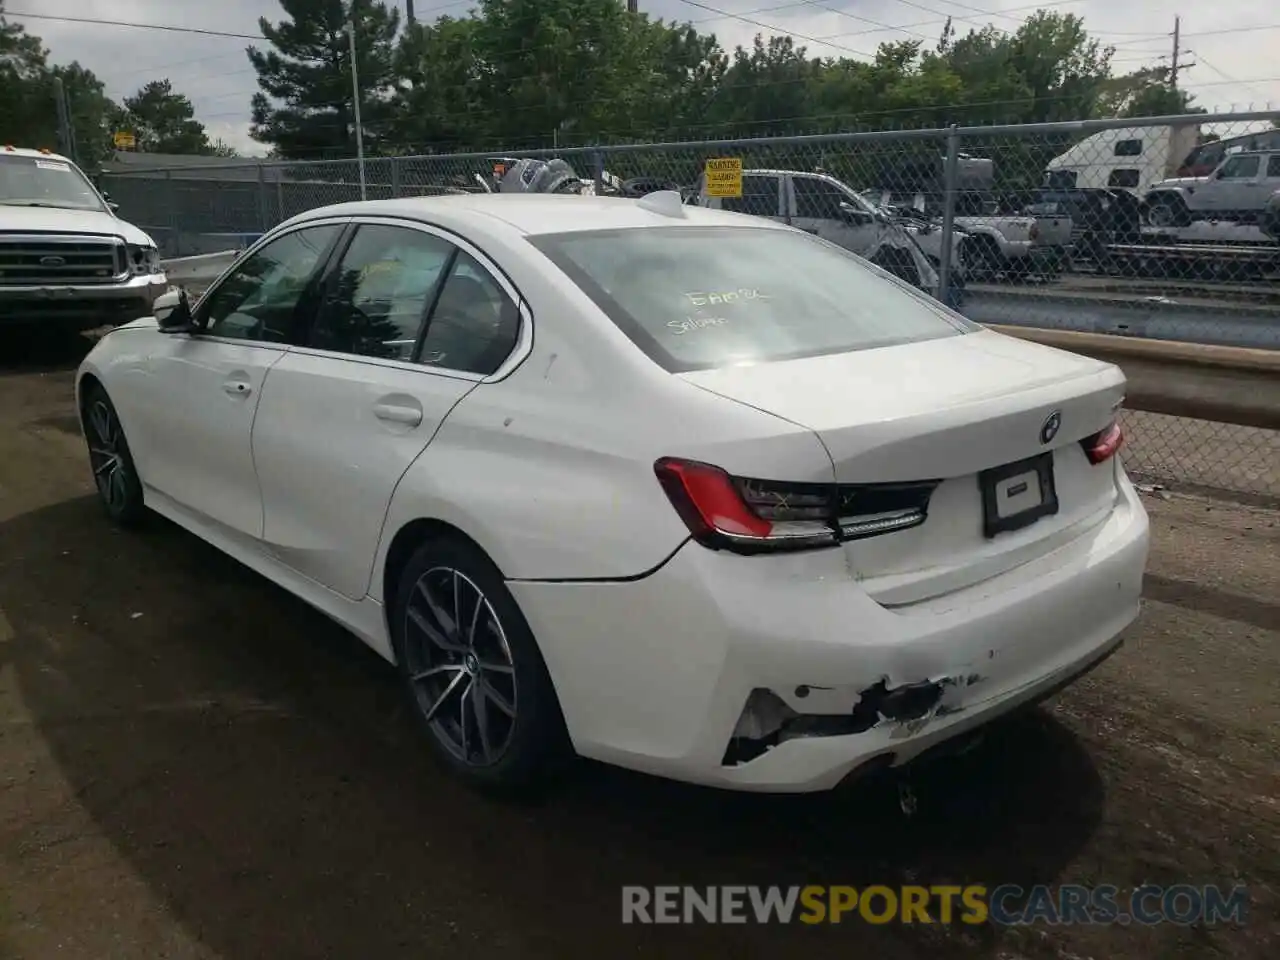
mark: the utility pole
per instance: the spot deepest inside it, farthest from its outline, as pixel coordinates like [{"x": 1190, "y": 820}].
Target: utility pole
[
  {"x": 66, "y": 132},
  {"x": 633, "y": 6},
  {"x": 1176, "y": 66},
  {"x": 408, "y": 12},
  {"x": 355, "y": 99}
]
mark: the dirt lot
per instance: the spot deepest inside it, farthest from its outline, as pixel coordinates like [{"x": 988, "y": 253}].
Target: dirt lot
[{"x": 195, "y": 765}]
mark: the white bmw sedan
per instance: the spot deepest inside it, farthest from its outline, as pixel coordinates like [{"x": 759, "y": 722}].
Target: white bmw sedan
[{"x": 686, "y": 491}]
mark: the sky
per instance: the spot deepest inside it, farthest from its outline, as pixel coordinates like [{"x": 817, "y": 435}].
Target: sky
[{"x": 1232, "y": 43}]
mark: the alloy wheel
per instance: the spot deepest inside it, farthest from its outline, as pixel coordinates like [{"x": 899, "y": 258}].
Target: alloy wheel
[
  {"x": 107, "y": 456},
  {"x": 459, "y": 666}
]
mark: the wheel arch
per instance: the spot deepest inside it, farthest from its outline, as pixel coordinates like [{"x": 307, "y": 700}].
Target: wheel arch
[{"x": 406, "y": 541}]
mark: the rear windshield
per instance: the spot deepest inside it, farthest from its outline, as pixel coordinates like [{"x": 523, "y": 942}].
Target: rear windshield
[{"x": 697, "y": 298}]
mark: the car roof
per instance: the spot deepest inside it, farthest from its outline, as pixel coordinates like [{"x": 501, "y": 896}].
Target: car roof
[
  {"x": 11, "y": 151},
  {"x": 533, "y": 214}
]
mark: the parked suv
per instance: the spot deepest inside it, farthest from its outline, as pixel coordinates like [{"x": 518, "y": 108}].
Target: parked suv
[
  {"x": 1238, "y": 191},
  {"x": 66, "y": 260}
]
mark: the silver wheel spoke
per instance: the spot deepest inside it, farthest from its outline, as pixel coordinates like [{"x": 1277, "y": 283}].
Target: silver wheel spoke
[
  {"x": 481, "y": 603},
  {"x": 497, "y": 699},
  {"x": 467, "y": 694},
  {"x": 449, "y": 668},
  {"x": 447, "y": 624},
  {"x": 433, "y": 634},
  {"x": 101, "y": 422},
  {"x": 453, "y": 685},
  {"x": 478, "y": 699},
  {"x": 117, "y": 486},
  {"x": 106, "y": 466},
  {"x": 460, "y": 666}
]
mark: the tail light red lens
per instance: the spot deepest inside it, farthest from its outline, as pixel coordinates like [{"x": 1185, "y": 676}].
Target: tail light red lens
[
  {"x": 751, "y": 516},
  {"x": 1104, "y": 444}
]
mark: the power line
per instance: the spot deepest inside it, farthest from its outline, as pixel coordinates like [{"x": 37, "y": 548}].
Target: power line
[
  {"x": 944, "y": 19},
  {"x": 1257, "y": 28},
  {"x": 777, "y": 30},
  {"x": 135, "y": 25}
]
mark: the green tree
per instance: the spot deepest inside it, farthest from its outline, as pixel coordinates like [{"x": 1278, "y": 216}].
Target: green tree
[
  {"x": 304, "y": 106},
  {"x": 23, "y": 75},
  {"x": 439, "y": 104},
  {"x": 164, "y": 121}
]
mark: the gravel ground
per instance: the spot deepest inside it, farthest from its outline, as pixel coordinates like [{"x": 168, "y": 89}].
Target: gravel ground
[{"x": 195, "y": 765}]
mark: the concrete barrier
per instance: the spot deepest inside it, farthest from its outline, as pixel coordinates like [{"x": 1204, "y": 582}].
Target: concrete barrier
[
  {"x": 196, "y": 273},
  {"x": 1226, "y": 384}
]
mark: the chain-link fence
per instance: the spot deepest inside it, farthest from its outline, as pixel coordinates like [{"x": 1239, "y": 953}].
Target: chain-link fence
[{"x": 1165, "y": 228}]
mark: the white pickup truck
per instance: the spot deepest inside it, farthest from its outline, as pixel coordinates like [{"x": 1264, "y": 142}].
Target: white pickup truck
[
  {"x": 822, "y": 205},
  {"x": 1013, "y": 245},
  {"x": 67, "y": 262}
]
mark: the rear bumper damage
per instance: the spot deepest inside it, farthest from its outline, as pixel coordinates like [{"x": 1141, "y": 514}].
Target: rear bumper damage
[{"x": 783, "y": 675}]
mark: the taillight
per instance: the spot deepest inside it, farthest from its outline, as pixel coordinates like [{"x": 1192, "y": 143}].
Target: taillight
[
  {"x": 1104, "y": 444},
  {"x": 751, "y": 516}
]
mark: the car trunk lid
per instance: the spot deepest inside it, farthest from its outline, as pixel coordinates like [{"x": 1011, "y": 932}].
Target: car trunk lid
[{"x": 954, "y": 410}]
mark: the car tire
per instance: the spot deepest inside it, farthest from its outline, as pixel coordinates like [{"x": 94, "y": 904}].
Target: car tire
[
  {"x": 476, "y": 680},
  {"x": 985, "y": 261},
  {"x": 1167, "y": 211},
  {"x": 114, "y": 474}
]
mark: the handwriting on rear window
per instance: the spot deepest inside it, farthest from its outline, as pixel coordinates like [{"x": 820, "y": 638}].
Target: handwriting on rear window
[
  {"x": 701, "y": 298},
  {"x": 690, "y": 324}
]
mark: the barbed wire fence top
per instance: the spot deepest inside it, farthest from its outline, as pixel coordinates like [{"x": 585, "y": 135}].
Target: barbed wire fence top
[{"x": 1089, "y": 225}]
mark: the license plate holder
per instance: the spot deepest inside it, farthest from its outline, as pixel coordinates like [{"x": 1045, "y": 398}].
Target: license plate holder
[{"x": 1017, "y": 494}]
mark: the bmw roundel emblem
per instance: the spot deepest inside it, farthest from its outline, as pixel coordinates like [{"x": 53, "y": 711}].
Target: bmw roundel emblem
[{"x": 1052, "y": 424}]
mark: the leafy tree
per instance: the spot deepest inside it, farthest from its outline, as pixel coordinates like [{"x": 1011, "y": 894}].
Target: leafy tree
[
  {"x": 28, "y": 98},
  {"x": 438, "y": 99},
  {"x": 164, "y": 121},
  {"x": 304, "y": 107},
  {"x": 23, "y": 72}
]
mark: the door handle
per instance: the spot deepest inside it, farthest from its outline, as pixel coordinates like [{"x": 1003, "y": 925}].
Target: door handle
[
  {"x": 237, "y": 388},
  {"x": 398, "y": 413}
]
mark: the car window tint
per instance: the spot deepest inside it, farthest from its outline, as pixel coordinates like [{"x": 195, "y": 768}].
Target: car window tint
[
  {"x": 759, "y": 197},
  {"x": 376, "y": 303},
  {"x": 1239, "y": 168},
  {"x": 818, "y": 199},
  {"x": 474, "y": 324},
  {"x": 697, "y": 298},
  {"x": 258, "y": 299}
]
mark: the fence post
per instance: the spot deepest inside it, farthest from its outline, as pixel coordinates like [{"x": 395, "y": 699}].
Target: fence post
[
  {"x": 948, "y": 213},
  {"x": 597, "y": 166},
  {"x": 263, "y": 208},
  {"x": 395, "y": 176},
  {"x": 175, "y": 221},
  {"x": 279, "y": 200}
]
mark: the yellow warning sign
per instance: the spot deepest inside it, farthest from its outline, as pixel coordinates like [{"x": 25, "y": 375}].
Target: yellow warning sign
[
  {"x": 724, "y": 177},
  {"x": 124, "y": 140}
]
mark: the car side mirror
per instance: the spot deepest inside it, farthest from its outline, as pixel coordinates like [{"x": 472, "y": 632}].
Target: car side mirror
[
  {"x": 851, "y": 214},
  {"x": 173, "y": 312},
  {"x": 113, "y": 206}
]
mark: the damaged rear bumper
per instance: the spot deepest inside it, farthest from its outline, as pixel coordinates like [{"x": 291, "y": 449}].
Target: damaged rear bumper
[{"x": 782, "y": 675}]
